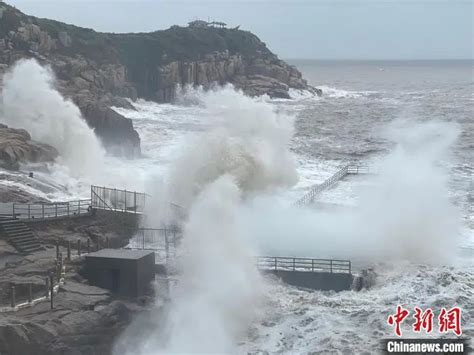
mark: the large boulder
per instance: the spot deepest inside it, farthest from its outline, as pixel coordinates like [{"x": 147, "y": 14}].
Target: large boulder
[
  {"x": 17, "y": 147},
  {"x": 115, "y": 131},
  {"x": 257, "y": 85}
]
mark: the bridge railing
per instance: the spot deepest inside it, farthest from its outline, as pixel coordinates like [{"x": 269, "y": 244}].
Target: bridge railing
[
  {"x": 317, "y": 189},
  {"x": 51, "y": 210},
  {"x": 359, "y": 169},
  {"x": 304, "y": 264},
  {"x": 117, "y": 200}
]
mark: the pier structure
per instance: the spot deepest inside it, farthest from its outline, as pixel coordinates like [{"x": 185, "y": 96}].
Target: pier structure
[{"x": 347, "y": 169}]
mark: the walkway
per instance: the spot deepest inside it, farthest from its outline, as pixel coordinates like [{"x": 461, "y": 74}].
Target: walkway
[{"x": 349, "y": 169}]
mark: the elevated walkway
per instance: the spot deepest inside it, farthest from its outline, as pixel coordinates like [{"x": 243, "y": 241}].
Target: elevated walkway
[
  {"x": 102, "y": 198},
  {"x": 316, "y": 274},
  {"x": 348, "y": 169},
  {"x": 48, "y": 211}
]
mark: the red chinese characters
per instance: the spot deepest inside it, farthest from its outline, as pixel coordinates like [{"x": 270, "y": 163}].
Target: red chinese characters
[
  {"x": 423, "y": 320},
  {"x": 397, "y": 319},
  {"x": 448, "y": 320}
]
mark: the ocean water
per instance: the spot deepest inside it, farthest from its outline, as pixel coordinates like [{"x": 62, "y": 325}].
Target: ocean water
[{"x": 355, "y": 120}]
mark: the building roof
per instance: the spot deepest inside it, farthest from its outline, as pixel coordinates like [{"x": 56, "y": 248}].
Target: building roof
[{"x": 120, "y": 254}]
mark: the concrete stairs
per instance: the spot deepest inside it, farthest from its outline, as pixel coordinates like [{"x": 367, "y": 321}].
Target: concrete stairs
[{"x": 20, "y": 236}]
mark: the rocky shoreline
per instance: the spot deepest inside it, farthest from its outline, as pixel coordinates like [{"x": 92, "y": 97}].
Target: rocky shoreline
[
  {"x": 16, "y": 146},
  {"x": 101, "y": 70},
  {"x": 85, "y": 319}
]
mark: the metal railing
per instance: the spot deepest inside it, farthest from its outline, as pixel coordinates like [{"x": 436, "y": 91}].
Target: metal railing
[
  {"x": 309, "y": 197},
  {"x": 360, "y": 169},
  {"x": 304, "y": 264},
  {"x": 51, "y": 210},
  {"x": 157, "y": 239},
  {"x": 117, "y": 200},
  {"x": 349, "y": 169}
]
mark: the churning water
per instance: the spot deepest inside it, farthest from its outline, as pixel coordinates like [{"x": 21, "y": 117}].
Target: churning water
[{"x": 238, "y": 164}]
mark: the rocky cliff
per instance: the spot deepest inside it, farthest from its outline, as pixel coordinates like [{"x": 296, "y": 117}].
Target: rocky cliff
[
  {"x": 16, "y": 147},
  {"x": 98, "y": 70}
]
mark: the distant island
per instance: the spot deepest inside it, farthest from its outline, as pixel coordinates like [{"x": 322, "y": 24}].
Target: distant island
[{"x": 100, "y": 70}]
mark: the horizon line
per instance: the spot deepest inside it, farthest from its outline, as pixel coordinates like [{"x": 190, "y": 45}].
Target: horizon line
[{"x": 383, "y": 59}]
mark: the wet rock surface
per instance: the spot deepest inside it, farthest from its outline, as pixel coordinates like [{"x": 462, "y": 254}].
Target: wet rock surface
[
  {"x": 97, "y": 70},
  {"x": 16, "y": 146},
  {"x": 85, "y": 319}
]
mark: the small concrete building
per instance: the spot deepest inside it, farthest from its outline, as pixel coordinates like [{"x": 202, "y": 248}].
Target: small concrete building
[{"x": 126, "y": 273}]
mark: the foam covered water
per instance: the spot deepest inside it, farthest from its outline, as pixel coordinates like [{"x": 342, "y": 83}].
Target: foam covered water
[{"x": 346, "y": 123}]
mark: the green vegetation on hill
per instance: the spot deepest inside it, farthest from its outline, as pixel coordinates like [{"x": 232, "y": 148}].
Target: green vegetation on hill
[
  {"x": 10, "y": 20},
  {"x": 142, "y": 53}
]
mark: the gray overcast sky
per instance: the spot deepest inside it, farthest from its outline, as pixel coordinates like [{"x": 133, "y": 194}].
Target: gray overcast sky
[{"x": 325, "y": 29}]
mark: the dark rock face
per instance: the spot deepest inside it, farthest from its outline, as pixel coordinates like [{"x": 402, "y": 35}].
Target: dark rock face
[
  {"x": 85, "y": 319},
  {"x": 109, "y": 125},
  {"x": 16, "y": 147},
  {"x": 96, "y": 69},
  {"x": 202, "y": 57}
]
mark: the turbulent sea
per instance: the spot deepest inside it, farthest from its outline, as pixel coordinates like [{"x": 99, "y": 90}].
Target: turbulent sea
[{"x": 357, "y": 119}]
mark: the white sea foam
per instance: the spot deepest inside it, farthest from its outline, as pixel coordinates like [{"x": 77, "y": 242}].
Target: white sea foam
[
  {"x": 301, "y": 321},
  {"x": 244, "y": 152},
  {"x": 219, "y": 287},
  {"x": 402, "y": 213},
  {"x": 335, "y": 93},
  {"x": 245, "y": 137},
  {"x": 295, "y": 320},
  {"x": 298, "y": 94},
  {"x": 30, "y": 101}
]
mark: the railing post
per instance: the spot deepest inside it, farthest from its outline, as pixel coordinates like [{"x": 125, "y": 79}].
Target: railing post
[
  {"x": 275, "y": 263},
  {"x": 294, "y": 264},
  {"x": 51, "y": 289},
  {"x": 135, "y": 201},
  {"x": 60, "y": 267},
  {"x": 30, "y": 293},
  {"x": 47, "y": 286},
  {"x": 69, "y": 250},
  {"x": 79, "y": 207},
  {"x": 125, "y": 209},
  {"x": 312, "y": 265},
  {"x": 56, "y": 208},
  {"x": 79, "y": 247},
  {"x": 13, "y": 300},
  {"x": 331, "y": 266},
  {"x": 68, "y": 209}
]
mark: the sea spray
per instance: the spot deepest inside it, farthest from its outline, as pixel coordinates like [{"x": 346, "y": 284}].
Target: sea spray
[
  {"x": 246, "y": 138},
  {"x": 408, "y": 212},
  {"x": 404, "y": 213},
  {"x": 30, "y": 101},
  {"x": 243, "y": 153},
  {"x": 219, "y": 287}
]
